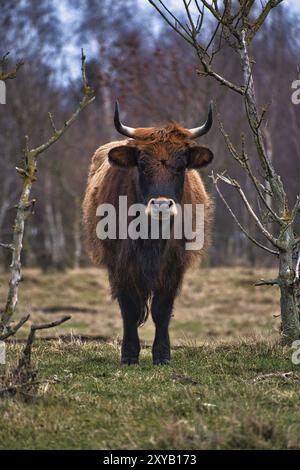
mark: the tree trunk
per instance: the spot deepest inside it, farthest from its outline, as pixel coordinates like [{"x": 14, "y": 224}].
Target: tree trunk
[
  {"x": 23, "y": 210},
  {"x": 290, "y": 321}
]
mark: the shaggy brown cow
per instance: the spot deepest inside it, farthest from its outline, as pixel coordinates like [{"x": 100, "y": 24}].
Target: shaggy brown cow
[{"x": 155, "y": 167}]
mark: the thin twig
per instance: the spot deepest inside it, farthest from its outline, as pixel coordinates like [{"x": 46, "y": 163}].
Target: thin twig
[
  {"x": 7, "y": 246},
  {"x": 12, "y": 330},
  {"x": 267, "y": 282},
  {"x": 25, "y": 359},
  {"x": 12, "y": 73},
  {"x": 232, "y": 182},
  {"x": 243, "y": 160},
  {"x": 253, "y": 240}
]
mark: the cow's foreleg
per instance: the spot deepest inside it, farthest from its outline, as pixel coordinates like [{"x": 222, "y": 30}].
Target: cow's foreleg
[
  {"x": 131, "y": 312},
  {"x": 161, "y": 310}
]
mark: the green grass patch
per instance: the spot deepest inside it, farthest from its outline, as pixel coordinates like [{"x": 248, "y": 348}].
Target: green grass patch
[{"x": 220, "y": 396}]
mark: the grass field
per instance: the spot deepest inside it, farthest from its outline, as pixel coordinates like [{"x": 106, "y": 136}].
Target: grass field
[{"x": 230, "y": 384}]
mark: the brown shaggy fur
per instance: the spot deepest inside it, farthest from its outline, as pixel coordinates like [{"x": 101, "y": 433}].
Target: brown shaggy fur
[{"x": 107, "y": 182}]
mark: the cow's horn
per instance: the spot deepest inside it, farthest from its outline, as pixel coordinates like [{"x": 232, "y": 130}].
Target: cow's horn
[
  {"x": 198, "y": 131},
  {"x": 125, "y": 130}
]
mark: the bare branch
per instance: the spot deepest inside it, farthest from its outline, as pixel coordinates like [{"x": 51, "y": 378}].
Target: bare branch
[
  {"x": 253, "y": 240},
  {"x": 7, "y": 246},
  {"x": 169, "y": 22},
  {"x": 53, "y": 324},
  {"x": 296, "y": 209},
  {"x": 52, "y": 123},
  {"x": 253, "y": 120},
  {"x": 232, "y": 182},
  {"x": 88, "y": 98},
  {"x": 226, "y": 19},
  {"x": 25, "y": 359},
  {"x": 243, "y": 160},
  {"x": 261, "y": 19},
  {"x": 208, "y": 71},
  {"x": 267, "y": 282},
  {"x": 11, "y": 331},
  {"x": 191, "y": 37},
  {"x": 12, "y": 73}
]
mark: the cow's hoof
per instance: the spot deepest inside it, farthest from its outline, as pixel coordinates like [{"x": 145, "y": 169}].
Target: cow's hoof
[
  {"x": 129, "y": 361},
  {"x": 161, "y": 362}
]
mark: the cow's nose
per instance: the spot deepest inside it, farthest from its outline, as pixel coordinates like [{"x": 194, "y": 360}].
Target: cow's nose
[{"x": 161, "y": 206}]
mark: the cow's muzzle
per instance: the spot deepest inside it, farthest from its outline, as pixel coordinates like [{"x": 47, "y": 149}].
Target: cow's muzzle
[{"x": 161, "y": 208}]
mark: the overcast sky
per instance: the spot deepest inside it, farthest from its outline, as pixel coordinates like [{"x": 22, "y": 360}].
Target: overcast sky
[
  {"x": 295, "y": 4},
  {"x": 72, "y": 55}
]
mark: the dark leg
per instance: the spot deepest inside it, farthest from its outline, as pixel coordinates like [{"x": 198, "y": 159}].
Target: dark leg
[
  {"x": 161, "y": 310},
  {"x": 131, "y": 311}
]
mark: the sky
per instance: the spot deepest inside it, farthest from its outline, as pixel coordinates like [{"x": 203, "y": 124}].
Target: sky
[
  {"x": 72, "y": 54},
  {"x": 295, "y": 4}
]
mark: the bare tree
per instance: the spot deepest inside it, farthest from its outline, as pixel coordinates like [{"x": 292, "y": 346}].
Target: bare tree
[
  {"x": 26, "y": 204},
  {"x": 236, "y": 25}
]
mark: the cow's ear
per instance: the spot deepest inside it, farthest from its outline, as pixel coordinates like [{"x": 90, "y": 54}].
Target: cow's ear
[
  {"x": 124, "y": 156},
  {"x": 198, "y": 157}
]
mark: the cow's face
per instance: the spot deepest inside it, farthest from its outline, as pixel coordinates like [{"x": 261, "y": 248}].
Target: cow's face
[
  {"x": 161, "y": 156},
  {"x": 161, "y": 170}
]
